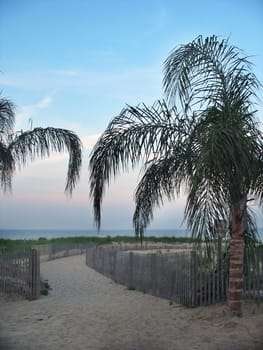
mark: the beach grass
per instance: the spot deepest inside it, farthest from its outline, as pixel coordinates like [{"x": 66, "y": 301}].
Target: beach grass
[{"x": 26, "y": 244}]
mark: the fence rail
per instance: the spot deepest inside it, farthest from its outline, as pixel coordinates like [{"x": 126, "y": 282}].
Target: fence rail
[
  {"x": 58, "y": 250},
  {"x": 186, "y": 276},
  {"x": 253, "y": 275},
  {"x": 20, "y": 273}
]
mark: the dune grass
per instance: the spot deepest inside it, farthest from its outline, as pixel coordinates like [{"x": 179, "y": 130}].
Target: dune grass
[{"x": 25, "y": 244}]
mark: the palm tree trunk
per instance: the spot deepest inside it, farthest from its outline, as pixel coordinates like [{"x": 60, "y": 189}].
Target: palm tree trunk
[{"x": 237, "y": 244}]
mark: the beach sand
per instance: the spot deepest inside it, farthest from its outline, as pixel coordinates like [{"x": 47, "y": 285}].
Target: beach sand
[{"x": 85, "y": 310}]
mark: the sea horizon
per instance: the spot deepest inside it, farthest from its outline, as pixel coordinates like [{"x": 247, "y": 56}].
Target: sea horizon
[{"x": 9, "y": 233}]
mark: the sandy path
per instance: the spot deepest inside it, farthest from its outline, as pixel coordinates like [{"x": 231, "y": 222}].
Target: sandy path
[{"x": 86, "y": 310}]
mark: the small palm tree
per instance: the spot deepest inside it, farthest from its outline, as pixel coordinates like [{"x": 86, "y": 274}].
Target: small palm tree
[
  {"x": 210, "y": 147},
  {"x": 17, "y": 148}
]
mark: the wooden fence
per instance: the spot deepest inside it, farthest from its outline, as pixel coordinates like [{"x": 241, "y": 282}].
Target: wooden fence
[
  {"x": 186, "y": 276},
  {"x": 59, "y": 250},
  {"x": 20, "y": 273},
  {"x": 253, "y": 274}
]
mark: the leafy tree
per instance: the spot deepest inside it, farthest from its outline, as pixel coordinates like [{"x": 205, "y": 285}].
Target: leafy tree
[
  {"x": 204, "y": 140},
  {"x": 17, "y": 148}
]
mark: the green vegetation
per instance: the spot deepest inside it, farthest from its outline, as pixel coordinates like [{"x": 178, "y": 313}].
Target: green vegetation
[
  {"x": 44, "y": 287},
  {"x": 131, "y": 288},
  {"x": 24, "y": 245}
]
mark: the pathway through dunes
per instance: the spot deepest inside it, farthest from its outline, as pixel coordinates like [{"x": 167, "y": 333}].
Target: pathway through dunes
[{"x": 85, "y": 310}]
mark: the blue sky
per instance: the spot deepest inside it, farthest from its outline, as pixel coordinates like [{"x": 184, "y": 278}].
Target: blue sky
[{"x": 75, "y": 64}]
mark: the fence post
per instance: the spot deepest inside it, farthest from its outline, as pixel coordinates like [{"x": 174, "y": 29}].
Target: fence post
[
  {"x": 154, "y": 274},
  {"x": 130, "y": 270},
  {"x": 193, "y": 278},
  {"x": 35, "y": 273},
  {"x": 219, "y": 268},
  {"x": 114, "y": 266}
]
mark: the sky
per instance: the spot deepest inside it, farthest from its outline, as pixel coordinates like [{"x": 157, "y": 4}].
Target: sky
[{"x": 75, "y": 64}]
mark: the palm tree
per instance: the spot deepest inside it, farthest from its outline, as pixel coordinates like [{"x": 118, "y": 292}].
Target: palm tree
[
  {"x": 210, "y": 147},
  {"x": 17, "y": 148}
]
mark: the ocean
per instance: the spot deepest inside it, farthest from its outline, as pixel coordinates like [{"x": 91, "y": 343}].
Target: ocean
[{"x": 47, "y": 233}]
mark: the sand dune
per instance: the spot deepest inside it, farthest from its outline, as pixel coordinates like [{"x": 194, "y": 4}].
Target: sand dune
[{"x": 86, "y": 310}]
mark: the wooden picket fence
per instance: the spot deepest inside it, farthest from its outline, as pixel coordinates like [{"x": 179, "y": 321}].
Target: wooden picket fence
[
  {"x": 188, "y": 277},
  {"x": 20, "y": 273},
  {"x": 253, "y": 274},
  {"x": 57, "y": 250}
]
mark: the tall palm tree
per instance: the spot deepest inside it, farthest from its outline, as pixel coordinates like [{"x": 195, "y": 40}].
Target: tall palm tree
[
  {"x": 16, "y": 149},
  {"x": 209, "y": 146}
]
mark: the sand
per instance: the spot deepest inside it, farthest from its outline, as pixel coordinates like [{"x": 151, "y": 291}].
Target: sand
[{"x": 86, "y": 310}]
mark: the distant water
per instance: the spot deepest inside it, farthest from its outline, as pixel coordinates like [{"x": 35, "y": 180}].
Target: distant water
[{"x": 35, "y": 234}]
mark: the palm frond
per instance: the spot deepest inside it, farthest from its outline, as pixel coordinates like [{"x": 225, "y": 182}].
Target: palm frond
[
  {"x": 206, "y": 72},
  {"x": 7, "y": 117},
  {"x": 251, "y": 232},
  {"x": 40, "y": 142},
  {"x": 157, "y": 182},
  {"x": 206, "y": 204},
  {"x": 137, "y": 134},
  {"x": 164, "y": 177},
  {"x": 7, "y": 167}
]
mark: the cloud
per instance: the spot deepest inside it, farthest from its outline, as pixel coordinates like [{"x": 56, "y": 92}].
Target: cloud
[
  {"x": 114, "y": 83},
  {"x": 29, "y": 111},
  {"x": 44, "y": 103}
]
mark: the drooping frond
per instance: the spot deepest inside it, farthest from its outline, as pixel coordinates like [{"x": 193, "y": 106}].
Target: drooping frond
[
  {"x": 230, "y": 150},
  {"x": 256, "y": 188},
  {"x": 162, "y": 179},
  {"x": 7, "y": 117},
  {"x": 138, "y": 133},
  {"x": 251, "y": 232},
  {"x": 206, "y": 204},
  {"x": 40, "y": 142},
  {"x": 7, "y": 167},
  {"x": 226, "y": 165},
  {"x": 208, "y": 72}
]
